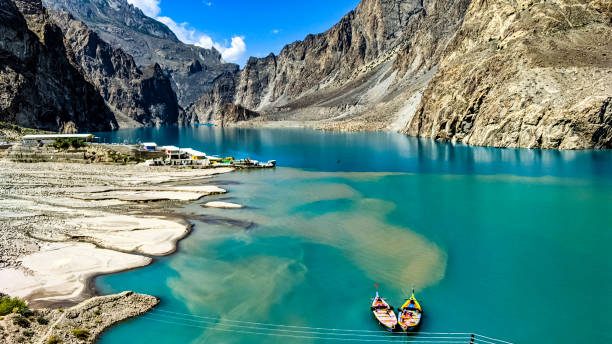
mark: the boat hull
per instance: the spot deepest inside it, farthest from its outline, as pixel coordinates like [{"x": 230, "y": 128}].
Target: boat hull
[
  {"x": 383, "y": 313},
  {"x": 386, "y": 327}
]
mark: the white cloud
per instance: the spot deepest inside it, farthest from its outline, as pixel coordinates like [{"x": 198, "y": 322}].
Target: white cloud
[
  {"x": 275, "y": 31},
  {"x": 235, "y": 51},
  {"x": 187, "y": 34},
  {"x": 148, "y": 7},
  {"x": 208, "y": 3}
]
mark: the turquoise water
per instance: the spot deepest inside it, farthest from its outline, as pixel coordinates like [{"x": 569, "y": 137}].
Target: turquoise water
[{"x": 508, "y": 243}]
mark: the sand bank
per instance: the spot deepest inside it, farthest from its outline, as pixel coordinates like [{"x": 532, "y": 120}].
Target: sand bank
[
  {"x": 62, "y": 223},
  {"x": 59, "y": 271},
  {"x": 148, "y": 235},
  {"x": 222, "y": 205}
]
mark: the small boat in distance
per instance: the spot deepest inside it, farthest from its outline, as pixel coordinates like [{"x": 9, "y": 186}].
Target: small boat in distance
[
  {"x": 383, "y": 313},
  {"x": 409, "y": 314}
]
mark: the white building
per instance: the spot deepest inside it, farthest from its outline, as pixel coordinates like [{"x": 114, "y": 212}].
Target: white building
[
  {"x": 49, "y": 138},
  {"x": 194, "y": 154},
  {"x": 148, "y": 146}
]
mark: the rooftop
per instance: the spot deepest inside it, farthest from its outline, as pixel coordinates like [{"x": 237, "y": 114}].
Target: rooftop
[
  {"x": 58, "y": 136},
  {"x": 193, "y": 152}
]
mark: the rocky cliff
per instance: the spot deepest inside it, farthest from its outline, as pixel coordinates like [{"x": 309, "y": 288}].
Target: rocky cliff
[
  {"x": 136, "y": 97},
  {"x": 520, "y": 73},
  {"x": 524, "y": 74},
  {"x": 191, "y": 69},
  {"x": 366, "y": 72},
  {"x": 39, "y": 87}
]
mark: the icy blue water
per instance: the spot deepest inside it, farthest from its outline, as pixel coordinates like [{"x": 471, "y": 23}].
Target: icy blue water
[{"x": 508, "y": 243}]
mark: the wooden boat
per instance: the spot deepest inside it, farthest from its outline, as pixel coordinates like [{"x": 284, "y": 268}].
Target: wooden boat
[
  {"x": 383, "y": 312},
  {"x": 410, "y": 314}
]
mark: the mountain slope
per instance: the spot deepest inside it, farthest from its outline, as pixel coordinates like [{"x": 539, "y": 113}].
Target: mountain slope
[
  {"x": 136, "y": 97},
  {"x": 520, "y": 73},
  {"x": 192, "y": 69},
  {"x": 525, "y": 74},
  {"x": 39, "y": 88},
  {"x": 366, "y": 72}
]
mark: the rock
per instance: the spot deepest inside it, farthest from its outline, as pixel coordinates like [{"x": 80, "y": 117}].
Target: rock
[
  {"x": 363, "y": 73},
  {"x": 92, "y": 316},
  {"x": 136, "y": 97},
  {"x": 39, "y": 86},
  {"x": 61, "y": 76},
  {"x": 532, "y": 74},
  {"x": 191, "y": 69}
]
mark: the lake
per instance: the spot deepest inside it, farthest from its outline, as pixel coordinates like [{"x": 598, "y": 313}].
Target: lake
[{"x": 507, "y": 243}]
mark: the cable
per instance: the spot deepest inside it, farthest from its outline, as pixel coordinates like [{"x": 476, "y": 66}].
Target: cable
[
  {"x": 147, "y": 316},
  {"x": 313, "y": 330},
  {"x": 317, "y": 332},
  {"x": 494, "y": 339},
  {"x": 303, "y": 327},
  {"x": 476, "y": 340}
]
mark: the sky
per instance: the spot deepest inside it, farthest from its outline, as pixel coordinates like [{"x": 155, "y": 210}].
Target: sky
[{"x": 243, "y": 28}]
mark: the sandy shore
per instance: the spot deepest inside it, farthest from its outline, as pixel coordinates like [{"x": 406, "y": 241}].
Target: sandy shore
[{"x": 62, "y": 223}]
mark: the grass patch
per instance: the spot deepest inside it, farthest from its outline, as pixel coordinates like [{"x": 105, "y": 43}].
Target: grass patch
[
  {"x": 20, "y": 320},
  {"x": 80, "y": 334},
  {"x": 10, "y": 305},
  {"x": 65, "y": 143},
  {"x": 10, "y": 131},
  {"x": 53, "y": 340}
]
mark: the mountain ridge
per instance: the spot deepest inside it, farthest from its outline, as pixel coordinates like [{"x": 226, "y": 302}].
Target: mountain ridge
[
  {"x": 443, "y": 74},
  {"x": 191, "y": 69},
  {"x": 520, "y": 73},
  {"x": 40, "y": 88}
]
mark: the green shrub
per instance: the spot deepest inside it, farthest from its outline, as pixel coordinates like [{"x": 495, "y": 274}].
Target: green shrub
[
  {"x": 65, "y": 143},
  {"x": 20, "y": 320},
  {"x": 80, "y": 334},
  {"x": 28, "y": 333},
  {"x": 10, "y": 305},
  {"x": 41, "y": 320},
  {"x": 53, "y": 340}
]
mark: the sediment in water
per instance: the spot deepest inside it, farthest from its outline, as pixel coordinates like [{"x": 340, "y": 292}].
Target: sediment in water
[{"x": 65, "y": 223}]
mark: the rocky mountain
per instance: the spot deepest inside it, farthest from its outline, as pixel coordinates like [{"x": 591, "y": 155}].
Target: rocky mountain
[
  {"x": 80, "y": 82},
  {"x": 191, "y": 69},
  {"x": 39, "y": 87},
  {"x": 520, "y": 73},
  {"x": 366, "y": 72},
  {"x": 136, "y": 97},
  {"x": 524, "y": 74}
]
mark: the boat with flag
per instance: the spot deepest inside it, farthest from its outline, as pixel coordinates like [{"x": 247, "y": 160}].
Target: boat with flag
[
  {"x": 410, "y": 314},
  {"x": 383, "y": 312}
]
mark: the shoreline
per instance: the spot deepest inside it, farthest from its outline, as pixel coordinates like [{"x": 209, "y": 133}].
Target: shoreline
[
  {"x": 93, "y": 290},
  {"x": 66, "y": 224}
]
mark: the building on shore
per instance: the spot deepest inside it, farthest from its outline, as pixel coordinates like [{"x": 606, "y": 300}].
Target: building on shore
[
  {"x": 174, "y": 156},
  {"x": 148, "y": 146},
  {"x": 193, "y": 154}
]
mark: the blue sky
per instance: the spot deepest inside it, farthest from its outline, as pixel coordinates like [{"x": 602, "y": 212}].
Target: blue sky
[{"x": 242, "y": 28}]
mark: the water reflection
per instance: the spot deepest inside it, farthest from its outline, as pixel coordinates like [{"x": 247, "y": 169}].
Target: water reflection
[{"x": 371, "y": 151}]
